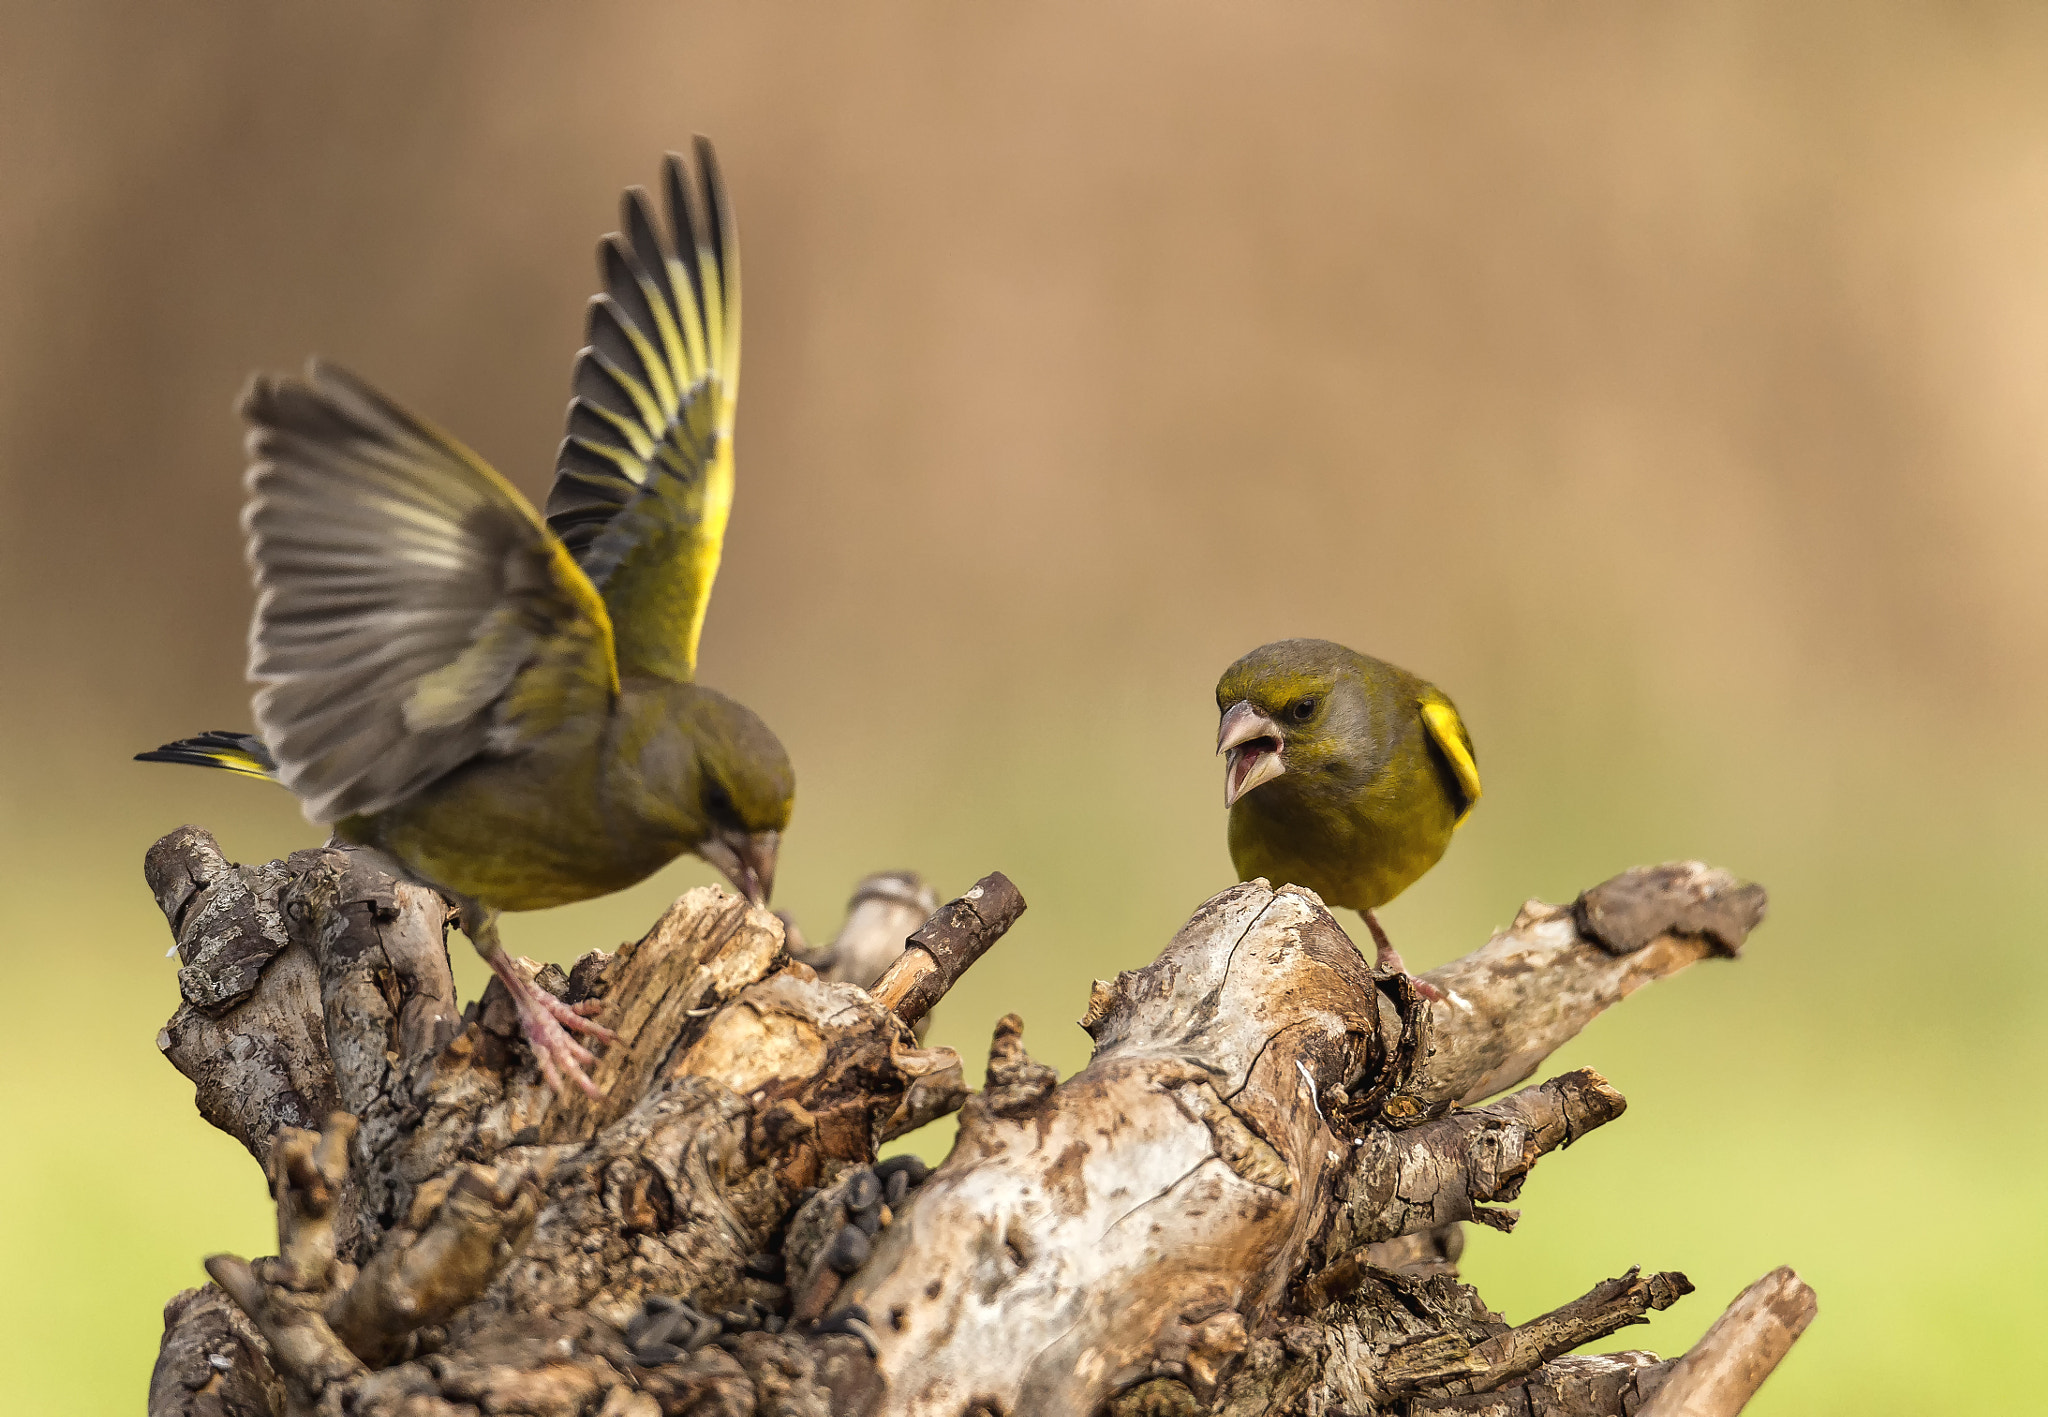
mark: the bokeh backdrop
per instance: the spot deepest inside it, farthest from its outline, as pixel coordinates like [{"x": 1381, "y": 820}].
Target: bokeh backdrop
[{"x": 1670, "y": 383}]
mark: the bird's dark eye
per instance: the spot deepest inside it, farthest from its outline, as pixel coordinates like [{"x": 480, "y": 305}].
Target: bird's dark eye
[
  {"x": 718, "y": 804},
  {"x": 1302, "y": 709}
]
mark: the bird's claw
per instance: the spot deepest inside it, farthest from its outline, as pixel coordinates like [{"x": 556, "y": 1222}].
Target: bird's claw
[
  {"x": 548, "y": 1023},
  {"x": 555, "y": 1051},
  {"x": 588, "y": 1009}
]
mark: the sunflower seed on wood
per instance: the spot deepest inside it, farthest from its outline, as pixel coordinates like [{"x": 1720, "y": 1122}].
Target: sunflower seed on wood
[
  {"x": 907, "y": 1165},
  {"x": 848, "y": 1250},
  {"x": 863, "y": 1192}
]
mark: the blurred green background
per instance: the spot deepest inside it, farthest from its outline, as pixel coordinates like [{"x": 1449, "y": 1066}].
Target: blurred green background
[{"x": 1669, "y": 383}]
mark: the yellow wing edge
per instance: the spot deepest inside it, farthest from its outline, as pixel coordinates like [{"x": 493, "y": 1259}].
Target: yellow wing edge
[{"x": 1448, "y": 730}]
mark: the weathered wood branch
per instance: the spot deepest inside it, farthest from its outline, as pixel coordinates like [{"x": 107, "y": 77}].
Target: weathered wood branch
[
  {"x": 248, "y": 1030},
  {"x": 463, "y": 1228},
  {"x": 212, "y": 1362},
  {"x": 1720, "y": 1373},
  {"x": 1584, "y": 1385},
  {"x": 1447, "y": 1170},
  {"x": 1118, "y": 1226},
  {"x": 941, "y": 950},
  {"x": 1446, "y": 1366},
  {"x": 1534, "y": 986},
  {"x": 286, "y": 1296},
  {"x": 1247, "y": 1202},
  {"x": 1715, "y": 1378}
]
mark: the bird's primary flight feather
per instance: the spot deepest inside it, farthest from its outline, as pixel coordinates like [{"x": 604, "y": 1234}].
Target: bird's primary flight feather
[{"x": 643, "y": 483}]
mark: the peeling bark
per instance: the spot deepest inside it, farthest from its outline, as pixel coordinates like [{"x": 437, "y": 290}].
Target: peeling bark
[
  {"x": 1444, "y": 1171},
  {"x": 1248, "y": 1202}
]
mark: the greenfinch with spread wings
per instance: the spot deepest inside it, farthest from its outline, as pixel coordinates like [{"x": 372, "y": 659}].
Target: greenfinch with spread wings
[
  {"x": 1343, "y": 773},
  {"x": 505, "y": 705}
]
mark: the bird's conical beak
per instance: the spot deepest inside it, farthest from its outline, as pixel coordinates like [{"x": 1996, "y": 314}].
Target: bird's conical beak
[
  {"x": 748, "y": 861},
  {"x": 1251, "y": 743}
]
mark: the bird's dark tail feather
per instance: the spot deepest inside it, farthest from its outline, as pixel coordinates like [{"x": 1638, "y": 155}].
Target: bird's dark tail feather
[{"x": 235, "y": 752}]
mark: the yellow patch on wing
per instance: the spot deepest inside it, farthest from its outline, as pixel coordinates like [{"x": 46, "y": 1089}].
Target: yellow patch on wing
[
  {"x": 1448, "y": 730},
  {"x": 239, "y": 763}
]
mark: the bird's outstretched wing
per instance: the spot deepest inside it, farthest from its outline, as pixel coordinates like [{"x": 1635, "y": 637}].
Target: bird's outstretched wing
[
  {"x": 413, "y": 611},
  {"x": 643, "y": 483}
]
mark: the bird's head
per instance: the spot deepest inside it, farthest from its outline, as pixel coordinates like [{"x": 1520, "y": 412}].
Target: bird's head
[
  {"x": 1287, "y": 708},
  {"x": 746, "y": 789}
]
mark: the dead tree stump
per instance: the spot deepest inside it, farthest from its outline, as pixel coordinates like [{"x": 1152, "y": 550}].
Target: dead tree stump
[{"x": 1249, "y": 1201}]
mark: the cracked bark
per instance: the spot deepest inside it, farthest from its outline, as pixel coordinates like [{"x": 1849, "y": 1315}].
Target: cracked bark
[{"x": 1248, "y": 1202}]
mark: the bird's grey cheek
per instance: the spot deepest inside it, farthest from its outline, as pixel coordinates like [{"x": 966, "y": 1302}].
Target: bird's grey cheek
[{"x": 663, "y": 763}]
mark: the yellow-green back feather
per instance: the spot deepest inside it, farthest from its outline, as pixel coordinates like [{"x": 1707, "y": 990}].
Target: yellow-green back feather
[{"x": 643, "y": 483}]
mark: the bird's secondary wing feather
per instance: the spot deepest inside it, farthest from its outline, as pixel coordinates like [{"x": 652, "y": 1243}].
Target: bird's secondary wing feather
[
  {"x": 413, "y": 611},
  {"x": 643, "y": 483},
  {"x": 1447, "y": 730}
]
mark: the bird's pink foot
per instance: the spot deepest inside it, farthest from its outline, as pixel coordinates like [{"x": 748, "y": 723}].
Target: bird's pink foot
[
  {"x": 547, "y": 1023},
  {"x": 1388, "y": 960}
]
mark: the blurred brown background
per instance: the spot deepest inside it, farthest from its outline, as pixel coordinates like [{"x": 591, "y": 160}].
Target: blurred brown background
[{"x": 1669, "y": 383}]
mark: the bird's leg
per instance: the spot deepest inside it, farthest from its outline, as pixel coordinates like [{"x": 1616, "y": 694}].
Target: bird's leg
[
  {"x": 1388, "y": 961},
  {"x": 544, "y": 1019}
]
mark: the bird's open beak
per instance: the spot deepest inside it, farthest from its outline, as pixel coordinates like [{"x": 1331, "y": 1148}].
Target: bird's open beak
[
  {"x": 1251, "y": 743},
  {"x": 748, "y": 861}
]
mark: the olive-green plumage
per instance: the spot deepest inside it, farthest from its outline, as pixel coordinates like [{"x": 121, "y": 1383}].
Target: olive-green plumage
[
  {"x": 503, "y": 705},
  {"x": 1346, "y": 774},
  {"x": 600, "y": 804}
]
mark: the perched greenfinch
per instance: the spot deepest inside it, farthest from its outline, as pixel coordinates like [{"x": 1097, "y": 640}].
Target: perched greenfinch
[
  {"x": 505, "y": 706},
  {"x": 1342, "y": 773}
]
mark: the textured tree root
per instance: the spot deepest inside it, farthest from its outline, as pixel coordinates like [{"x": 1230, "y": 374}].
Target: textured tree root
[{"x": 1248, "y": 1202}]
